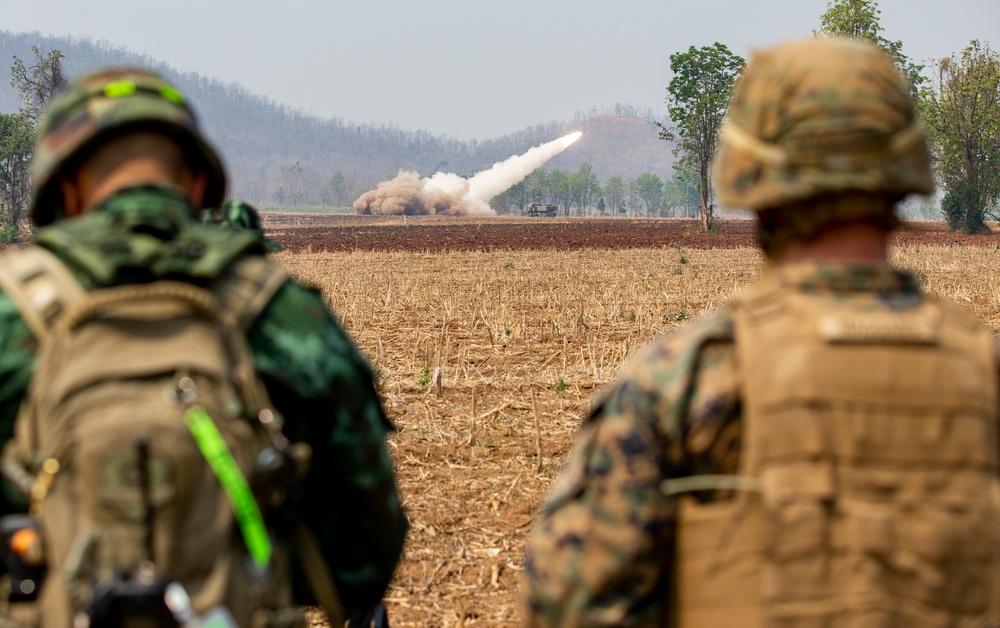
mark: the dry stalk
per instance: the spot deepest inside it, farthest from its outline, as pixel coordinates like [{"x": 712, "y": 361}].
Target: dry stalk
[
  {"x": 430, "y": 581},
  {"x": 489, "y": 330},
  {"x": 431, "y": 428},
  {"x": 472, "y": 427},
  {"x": 436, "y": 380},
  {"x": 549, "y": 361},
  {"x": 538, "y": 432},
  {"x": 510, "y": 489}
]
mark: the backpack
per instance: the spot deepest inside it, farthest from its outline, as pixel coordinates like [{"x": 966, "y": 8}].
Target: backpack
[{"x": 140, "y": 442}]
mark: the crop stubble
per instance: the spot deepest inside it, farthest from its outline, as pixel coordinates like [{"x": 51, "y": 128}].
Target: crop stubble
[{"x": 524, "y": 340}]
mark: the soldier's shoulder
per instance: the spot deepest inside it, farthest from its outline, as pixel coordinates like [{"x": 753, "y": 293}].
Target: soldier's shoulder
[
  {"x": 297, "y": 320},
  {"x": 676, "y": 354},
  {"x": 298, "y": 339},
  {"x": 682, "y": 372}
]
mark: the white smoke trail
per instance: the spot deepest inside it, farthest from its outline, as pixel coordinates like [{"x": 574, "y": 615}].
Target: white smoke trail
[
  {"x": 450, "y": 194},
  {"x": 498, "y": 179}
]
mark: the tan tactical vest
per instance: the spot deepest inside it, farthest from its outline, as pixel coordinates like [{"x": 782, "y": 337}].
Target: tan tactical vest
[
  {"x": 108, "y": 368},
  {"x": 870, "y": 473}
]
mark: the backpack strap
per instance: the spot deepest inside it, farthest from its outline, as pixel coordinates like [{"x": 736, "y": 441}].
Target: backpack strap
[
  {"x": 317, "y": 572},
  {"x": 242, "y": 292},
  {"x": 40, "y": 285},
  {"x": 247, "y": 287}
]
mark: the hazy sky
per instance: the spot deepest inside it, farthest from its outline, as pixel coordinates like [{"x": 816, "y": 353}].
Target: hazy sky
[{"x": 469, "y": 68}]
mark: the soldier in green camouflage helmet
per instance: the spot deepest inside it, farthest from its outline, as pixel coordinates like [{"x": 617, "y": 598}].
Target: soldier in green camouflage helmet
[
  {"x": 102, "y": 105},
  {"x": 239, "y": 215},
  {"x": 792, "y": 459},
  {"x": 120, "y": 174}
]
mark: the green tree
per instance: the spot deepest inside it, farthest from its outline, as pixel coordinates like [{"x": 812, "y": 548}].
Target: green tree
[
  {"x": 503, "y": 202},
  {"x": 560, "y": 189},
  {"x": 961, "y": 112},
  {"x": 682, "y": 190},
  {"x": 697, "y": 101},
  {"x": 514, "y": 196},
  {"x": 649, "y": 187},
  {"x": 536, "y": 188},
  {"x": 584, "y": 186},
  {"x": 39, "y": 82},
  {"x": 859, "y": 19},
  {"x": 634, "y": 197},
  {"x": 16, "y": 143},
  {"x": 615, "y": 190},
  {"x": 341, "y": 188}
]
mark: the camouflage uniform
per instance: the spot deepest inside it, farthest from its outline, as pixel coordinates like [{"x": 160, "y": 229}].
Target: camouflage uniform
[
  {"x": 314, "y": 375},
  {"x": 603, "y": 553},
  {"x": 239, "y": 215}
]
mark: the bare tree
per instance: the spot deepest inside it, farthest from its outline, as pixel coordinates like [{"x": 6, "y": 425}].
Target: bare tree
[{"x": 38, "y": 82}]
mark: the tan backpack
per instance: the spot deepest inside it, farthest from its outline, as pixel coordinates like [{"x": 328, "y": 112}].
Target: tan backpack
[{"x": 140, "y": 438}]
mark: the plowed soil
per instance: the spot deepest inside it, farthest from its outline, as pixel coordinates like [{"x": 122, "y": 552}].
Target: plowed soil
[{"x": 317, "y": 233}]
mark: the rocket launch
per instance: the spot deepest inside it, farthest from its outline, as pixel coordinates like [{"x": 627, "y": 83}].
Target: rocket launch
[{"x": 449, "y": 194}]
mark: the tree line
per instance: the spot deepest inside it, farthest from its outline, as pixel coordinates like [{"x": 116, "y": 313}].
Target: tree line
[
  {"x": 580, "y": 193},
  {"x": 959, "y": 106}
]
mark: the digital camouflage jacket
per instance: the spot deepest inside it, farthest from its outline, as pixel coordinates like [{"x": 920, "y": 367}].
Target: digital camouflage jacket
[
  {"x": 601, "y": 554},
  {"x": 315, "y": 377}
]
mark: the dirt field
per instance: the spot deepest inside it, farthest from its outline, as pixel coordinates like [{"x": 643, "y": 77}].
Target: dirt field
[
  {"x": 449, "y": 233},
  {"x": 524, "y": 340}
]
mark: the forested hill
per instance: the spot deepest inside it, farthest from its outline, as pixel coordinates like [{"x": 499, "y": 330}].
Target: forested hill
[{"x": 278, "y": 154}]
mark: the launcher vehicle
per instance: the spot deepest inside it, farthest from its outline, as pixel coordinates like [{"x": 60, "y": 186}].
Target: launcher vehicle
[{"x": 540, "y": 209}]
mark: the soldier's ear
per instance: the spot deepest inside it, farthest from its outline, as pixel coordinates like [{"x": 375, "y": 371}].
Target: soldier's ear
[
  {"x": 72, "y": 203},
  {"x": 196, "y": 185}
]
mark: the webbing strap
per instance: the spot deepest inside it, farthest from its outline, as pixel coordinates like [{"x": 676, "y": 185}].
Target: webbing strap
[
  {"x": 691, "y": 483},
  {"x": 213, "y": 447},
  {"x": 248, "y": 288},
  {"x": 40, "y": 286}
]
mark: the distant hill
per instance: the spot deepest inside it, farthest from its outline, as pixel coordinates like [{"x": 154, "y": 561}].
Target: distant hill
[{"x": 280, "y": 155}]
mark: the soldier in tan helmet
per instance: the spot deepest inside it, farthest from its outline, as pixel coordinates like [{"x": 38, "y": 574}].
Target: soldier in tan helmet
[{"x": 822, "y": 451}]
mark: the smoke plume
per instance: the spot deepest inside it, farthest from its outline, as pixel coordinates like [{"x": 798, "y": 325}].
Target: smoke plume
[{"x": 451, "y": 195}]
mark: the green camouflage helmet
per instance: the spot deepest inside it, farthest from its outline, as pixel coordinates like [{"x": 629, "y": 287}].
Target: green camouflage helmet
[
  {"x": 98, "y": 106},
  {"x": 816, "y": 118}
]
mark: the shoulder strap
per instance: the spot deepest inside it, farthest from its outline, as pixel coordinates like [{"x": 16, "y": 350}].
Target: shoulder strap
[
  {"x": 242, "y": 293},
  {"x": 317, "y": 572},
  {"x": 247, "y": 287},
  {"x": 40, "y": 285}
]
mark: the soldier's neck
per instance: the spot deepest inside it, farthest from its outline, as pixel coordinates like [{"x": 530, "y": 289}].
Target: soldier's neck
[
  {"x": 138, "y": 172},
  {"x": 858, "y": 242}
]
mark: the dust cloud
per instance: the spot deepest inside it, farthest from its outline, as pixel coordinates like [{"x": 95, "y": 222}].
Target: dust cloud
[{"x": 448, "y": 194}]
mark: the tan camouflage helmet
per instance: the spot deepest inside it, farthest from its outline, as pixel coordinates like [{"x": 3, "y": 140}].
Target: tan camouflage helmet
[
  {"x": 816, "y": 118},
  {"x": 100, "y": 105}
]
